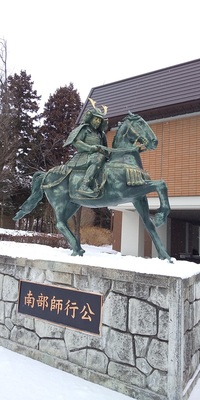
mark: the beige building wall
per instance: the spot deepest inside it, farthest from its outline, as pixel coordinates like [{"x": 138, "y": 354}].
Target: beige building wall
[{"x": 177, "y": 157}]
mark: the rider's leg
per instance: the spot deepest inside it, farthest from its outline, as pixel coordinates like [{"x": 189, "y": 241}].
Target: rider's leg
[{"x": 91, "y": 172}]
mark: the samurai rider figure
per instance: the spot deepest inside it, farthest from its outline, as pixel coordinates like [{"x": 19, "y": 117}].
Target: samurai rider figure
[{"x": 88, "y": 138}]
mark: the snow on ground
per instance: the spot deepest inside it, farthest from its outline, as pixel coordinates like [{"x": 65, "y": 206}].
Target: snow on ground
[
  {"x": 22, "y": 378},
  {"x": 98, "y": 256}
]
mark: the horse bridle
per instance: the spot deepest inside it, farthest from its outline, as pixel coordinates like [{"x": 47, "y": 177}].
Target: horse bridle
[{"x": 139, "y": 138}]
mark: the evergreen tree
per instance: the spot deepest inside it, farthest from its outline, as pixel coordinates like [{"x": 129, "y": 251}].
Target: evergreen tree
[
  {"x": 23, "y": 102},
  {"x": 59, "y": 118},
  {"x": 8, "y": 141}
]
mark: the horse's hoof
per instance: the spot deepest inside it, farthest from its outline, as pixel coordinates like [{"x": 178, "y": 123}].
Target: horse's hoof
[
  {"x": 81, "y": 252},
  {"x": 169, "y": 259},
  {"x": 78, "y": 253}
]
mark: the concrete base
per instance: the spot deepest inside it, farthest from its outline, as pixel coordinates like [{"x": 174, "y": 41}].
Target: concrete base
[{"x": 150, "y": 343}]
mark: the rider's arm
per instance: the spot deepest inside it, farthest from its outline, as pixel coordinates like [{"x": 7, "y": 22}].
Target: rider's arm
[{"x": 81, "y": 146}]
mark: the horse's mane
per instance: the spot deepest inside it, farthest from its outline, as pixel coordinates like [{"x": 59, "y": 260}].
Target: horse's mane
[{"x": 130, "y": 117}]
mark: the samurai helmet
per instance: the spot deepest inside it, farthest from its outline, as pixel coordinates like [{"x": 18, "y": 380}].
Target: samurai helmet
[{"x": 96, "y": 112}]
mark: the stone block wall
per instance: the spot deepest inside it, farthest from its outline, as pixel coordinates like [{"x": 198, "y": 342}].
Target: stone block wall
[
  {"x": 149, "y": 348},
  {"x": 191, "y": 347}
]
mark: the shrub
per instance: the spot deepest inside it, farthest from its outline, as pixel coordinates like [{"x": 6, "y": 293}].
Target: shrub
[{"x": 91, "y": 235}]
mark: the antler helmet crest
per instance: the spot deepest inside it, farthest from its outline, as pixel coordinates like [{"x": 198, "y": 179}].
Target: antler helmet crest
[
  {"x": 96, "y": 112},
  {"x": 105, "y": 108}
]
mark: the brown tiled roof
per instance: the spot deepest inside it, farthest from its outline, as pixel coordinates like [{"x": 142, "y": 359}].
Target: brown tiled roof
[{"x": 166, "y": 92}]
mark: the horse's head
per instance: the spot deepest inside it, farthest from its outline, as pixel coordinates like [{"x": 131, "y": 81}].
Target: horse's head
[{"x": 135, "y": 130}]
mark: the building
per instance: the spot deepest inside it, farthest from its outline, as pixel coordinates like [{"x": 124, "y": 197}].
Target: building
[{"x": 169, "y": 100}]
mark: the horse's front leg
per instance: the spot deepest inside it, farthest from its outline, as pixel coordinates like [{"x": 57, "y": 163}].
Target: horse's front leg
[
  {"x": 141, "y": 205},
  {"x": 164, "y": 209}
]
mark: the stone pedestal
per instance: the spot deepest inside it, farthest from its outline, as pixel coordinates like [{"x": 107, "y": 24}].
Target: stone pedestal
[{"x": 149, "y": 348}]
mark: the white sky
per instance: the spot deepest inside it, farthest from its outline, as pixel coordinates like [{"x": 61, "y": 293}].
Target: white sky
[{"x": 93, "y": 43}]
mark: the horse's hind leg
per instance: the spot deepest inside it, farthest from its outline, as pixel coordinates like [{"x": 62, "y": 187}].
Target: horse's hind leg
[
  {"x": 141, "y": 205},
  {"x": 62, "y": 215}
]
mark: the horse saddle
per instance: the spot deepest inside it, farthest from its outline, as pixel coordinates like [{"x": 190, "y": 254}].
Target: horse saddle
[{"x": 75, "y": 180}]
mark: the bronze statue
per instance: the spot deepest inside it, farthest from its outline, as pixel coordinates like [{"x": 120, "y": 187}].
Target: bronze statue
[{"x": 123, "y": 179}]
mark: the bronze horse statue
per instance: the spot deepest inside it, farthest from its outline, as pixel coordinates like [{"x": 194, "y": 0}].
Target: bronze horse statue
[{"x": 123, "y": 180}]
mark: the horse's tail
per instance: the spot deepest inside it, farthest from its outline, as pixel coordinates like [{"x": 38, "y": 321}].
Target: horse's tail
[{"x": 36, "y": 195}]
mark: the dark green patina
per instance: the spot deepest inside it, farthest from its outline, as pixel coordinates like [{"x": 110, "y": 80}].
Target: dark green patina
[{"x": 118, "y": 178}]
